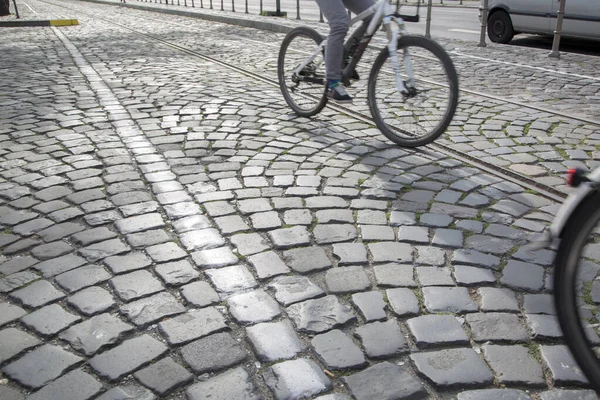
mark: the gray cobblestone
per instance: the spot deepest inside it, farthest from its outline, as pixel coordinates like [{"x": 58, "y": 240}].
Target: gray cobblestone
[
  {"x": 91, "y": 300},
  {"x": 296, "y": 379},
  {"x": 96, "y": 333},
  {"x": 213, "y": 353},
  {"x": 41, "y": 366},
  {"x": 337, "y": 351},
  {"x": 127, "y": 357}
]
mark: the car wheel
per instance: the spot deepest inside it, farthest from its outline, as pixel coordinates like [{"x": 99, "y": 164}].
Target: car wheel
[{"x": 500, "y": 28}]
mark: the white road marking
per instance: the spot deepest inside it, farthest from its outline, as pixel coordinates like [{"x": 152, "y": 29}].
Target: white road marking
[
  {"x": 553, "y": 71},
  {"x": 32, "y": 10},
  {"x": 464, "y": 31}
]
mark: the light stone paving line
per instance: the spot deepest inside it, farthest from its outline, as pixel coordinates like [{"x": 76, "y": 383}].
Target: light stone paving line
[{"x": 134, "y": 138}]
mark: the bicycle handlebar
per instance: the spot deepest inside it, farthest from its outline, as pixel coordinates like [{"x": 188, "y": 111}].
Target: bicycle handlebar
[{"x": 408, "y": 18}]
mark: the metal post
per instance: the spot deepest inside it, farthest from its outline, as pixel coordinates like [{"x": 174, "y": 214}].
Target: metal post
[
  {"x": 349, "y": 14},
  {"x": 246, "y": 6},
  {"x": 261, "y": 10},
  {"x": 222, "y": 9},
  {"x": 297, "y": 9},
  {"x": 233, "y": 5},
  {"x": 211, "y": 4},
  {"x": 461, "y": 2},
  {"x": 185, "y": 3},
  {"x": 321, "y": 16},
  {"x": 558, "y": 31},
  {"x": 484, "y": 17},
  {"x": 193, "y": 6},
  {"x": 16, "y": 9},
  {"x": 428, "y": 23},
  {"x": 278, "y": 7}
]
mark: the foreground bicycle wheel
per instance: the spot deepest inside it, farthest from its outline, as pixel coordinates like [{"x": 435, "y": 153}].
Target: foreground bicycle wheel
[
  {"x": 305, "y": 94},
  {"x": 421, "y": 117},
  {"x": 577, "y": 286}
]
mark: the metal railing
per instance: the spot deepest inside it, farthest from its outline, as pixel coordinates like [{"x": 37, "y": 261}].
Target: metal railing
[
  {"x": 295, "y": 4},
  {"x": 277, "y": 9}
]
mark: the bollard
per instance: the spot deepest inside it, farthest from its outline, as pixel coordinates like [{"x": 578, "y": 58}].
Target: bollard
[
  {"x": 558, "y": 31},
  {"x": 261, "y": 10},
  {"x": 222, "y": 9},
  {"x": 321, "y": 16},
  {"x": 246, "y": 6},
  {"x": 16, "y": 9},
  {"x": 484, "y": 16},
  {"x": 297, "y": 9},
  {"x": 193, "y": 6},
  {"x": 211, "y": 5},
  {"x": 233, "y": 5},
  {"x": 428, "y": 23},
  {"x": 185, "y": 3}
]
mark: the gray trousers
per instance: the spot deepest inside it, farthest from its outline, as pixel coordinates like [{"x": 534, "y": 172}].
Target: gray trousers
[{"x": 337, "y": 15}]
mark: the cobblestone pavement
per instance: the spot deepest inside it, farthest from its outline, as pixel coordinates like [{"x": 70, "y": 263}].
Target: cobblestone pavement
[
  {"x": 170, "y": 230},
  {"x": 537, "y": 144}
]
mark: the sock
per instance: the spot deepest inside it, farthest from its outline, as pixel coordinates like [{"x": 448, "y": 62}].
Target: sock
[{"x": 333, "y": 83}]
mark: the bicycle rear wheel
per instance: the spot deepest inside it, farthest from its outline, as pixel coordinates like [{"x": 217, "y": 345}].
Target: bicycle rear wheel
[
  {"x": 423, "y": 115},
  {"x": 577, "y": 286},
  {"x": 304, "y": 93}
]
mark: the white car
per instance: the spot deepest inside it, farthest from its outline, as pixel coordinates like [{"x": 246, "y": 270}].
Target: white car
[{"x": 507, "y": 18}]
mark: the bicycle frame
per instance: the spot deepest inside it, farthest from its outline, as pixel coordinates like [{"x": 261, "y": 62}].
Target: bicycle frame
[{"x": 383, "y": 13}]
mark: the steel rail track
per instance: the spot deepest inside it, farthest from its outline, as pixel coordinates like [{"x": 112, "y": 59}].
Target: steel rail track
[{"x": 504, "y": 173}]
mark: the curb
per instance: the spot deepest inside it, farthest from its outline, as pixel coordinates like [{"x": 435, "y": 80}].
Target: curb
[
  {"x": 33, "y": 23},
  {"x": 263, "y": 25}
]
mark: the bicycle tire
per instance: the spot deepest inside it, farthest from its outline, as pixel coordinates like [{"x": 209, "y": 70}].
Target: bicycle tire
[
  {"x": 417, "y": 44},
  {"x": 566, "y": 265},
  {"x": 319, "y": 100}
]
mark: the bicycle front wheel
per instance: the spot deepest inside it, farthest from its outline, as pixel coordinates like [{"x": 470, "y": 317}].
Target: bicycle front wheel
[
  {"x": 577, "y": 286},
  {"x": 305, "y": 92},
  {"x": 424, "y": 114}
]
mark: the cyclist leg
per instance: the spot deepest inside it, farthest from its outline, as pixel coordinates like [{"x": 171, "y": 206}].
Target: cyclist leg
[
  {"x": 358, "y": 6},
  {"x": 337, "y": 17}
]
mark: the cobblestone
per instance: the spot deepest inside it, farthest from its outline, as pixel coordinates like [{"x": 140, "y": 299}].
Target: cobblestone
[
  {"x": 140, "y": 165},
  {"x": 127, "y": 357},
  {"x": 96, "y": 333},
  {"x": 296, "y": 379},
  {"x": 41, "y": 366},
  {"x": 213, "y": 353}
]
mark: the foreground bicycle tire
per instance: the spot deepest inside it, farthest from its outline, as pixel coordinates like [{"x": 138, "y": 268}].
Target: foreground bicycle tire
[
  {"x": 304, "y": 98},
  {"x": 570, "y": 291},
  {"x": 413, "y": 121}
]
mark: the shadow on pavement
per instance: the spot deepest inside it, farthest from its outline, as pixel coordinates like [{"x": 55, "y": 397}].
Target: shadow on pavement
[{"x": 578, "y": 46}]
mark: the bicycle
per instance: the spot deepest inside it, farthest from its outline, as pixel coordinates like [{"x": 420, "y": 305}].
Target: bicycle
[
  {"x": 412, "y": 102},
  {"x": 577, "y": 270}
]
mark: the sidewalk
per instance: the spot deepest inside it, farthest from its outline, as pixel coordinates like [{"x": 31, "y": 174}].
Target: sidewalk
[
  {"x": 170, "y": 230},
  {"x": 28, "y": 17}
]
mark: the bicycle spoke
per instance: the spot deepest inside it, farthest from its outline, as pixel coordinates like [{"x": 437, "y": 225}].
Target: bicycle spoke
[
  {"x": 423, "y": 114},
  {"x": 304, "y": 93}
]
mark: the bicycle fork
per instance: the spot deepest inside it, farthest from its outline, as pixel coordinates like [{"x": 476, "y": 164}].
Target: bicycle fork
[{"x": 393, "y": 32}]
